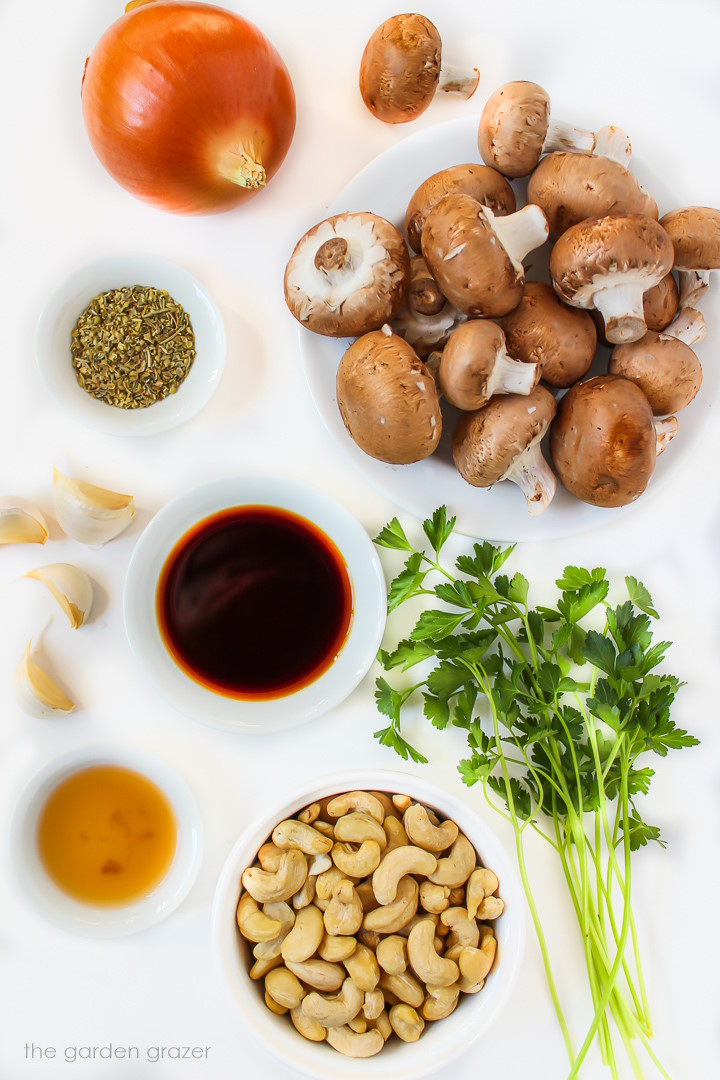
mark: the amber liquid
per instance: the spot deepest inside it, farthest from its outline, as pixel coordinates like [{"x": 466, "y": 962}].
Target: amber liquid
[
  {"x": 107, "y": 835},
  {"x": 254, "y": 602}
]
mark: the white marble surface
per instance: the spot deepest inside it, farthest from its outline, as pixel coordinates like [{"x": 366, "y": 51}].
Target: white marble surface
[{"x": 651, "y": 67}]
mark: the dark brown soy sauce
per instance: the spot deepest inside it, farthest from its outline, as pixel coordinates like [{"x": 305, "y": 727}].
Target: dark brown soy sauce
[{"x": 254, "y": 602}]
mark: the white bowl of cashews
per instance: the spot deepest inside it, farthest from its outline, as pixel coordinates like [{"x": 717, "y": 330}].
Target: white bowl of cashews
[{"x": 441, "y": 1039}]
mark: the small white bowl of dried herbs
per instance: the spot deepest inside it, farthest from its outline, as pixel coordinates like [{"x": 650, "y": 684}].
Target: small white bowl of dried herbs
[{"x": 131, "y": 345}]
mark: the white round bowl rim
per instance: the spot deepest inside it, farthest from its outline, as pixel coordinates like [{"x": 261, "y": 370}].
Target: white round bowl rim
[
  {"x": 55, "y": 906},
  {"x": 454, "y": 1035}
]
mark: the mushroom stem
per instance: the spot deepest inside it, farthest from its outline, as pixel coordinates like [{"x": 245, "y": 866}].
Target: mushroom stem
[
  {"x": 510, "y": 376},
  {"x": 613, "y": 143},
  {"x": 519, "y": 233},
  {"x": 532, "y": 474},
  {"x": 621, "y": 306},
  {"x": 332, "y": 255},
  {"x": 455, "y": 79},
  {"x": 693, "y": 284},
  {"x": 562, "y": 136},
  {"x": 665, "y": 431},
  {"x": 424, "y": 295},
  {"x": 689, "y": 327}
]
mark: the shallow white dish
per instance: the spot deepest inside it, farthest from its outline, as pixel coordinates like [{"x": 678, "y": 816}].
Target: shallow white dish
[
  {"x": 61, "y": 312},
  {"x": 233, "y": 714},
  {"x": 442, "y": 1041},
  {"x": 104, "y": 922},
  {"x": 385, "y": 187}
]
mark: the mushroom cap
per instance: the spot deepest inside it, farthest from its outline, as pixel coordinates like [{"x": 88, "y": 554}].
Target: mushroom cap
[
  {"x": 513, "y": 127},
  {"x": 695, "y": 233},
  {"x": 572, "y": 187},
  {"x": 667, "y": 370},
  {"x": 543, "y": 330},
  {"x": 486, "y": 442},
  {"x": 467, "y": 362},
  {"x": 400, "y": 68},
  {"x": 466, "y": 259},
  {"x": 660, "y": 304},
  {"x": 588, "y": 253},
  {"x": 388, "y": 399},
  {"x": 603, "y": 441},
  {"x": 482, "y": 183},
  {"x": 361, "y": 293}
]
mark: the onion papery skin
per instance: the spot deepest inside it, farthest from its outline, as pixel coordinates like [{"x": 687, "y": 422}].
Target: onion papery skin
[{"x": 174, "y": 92}]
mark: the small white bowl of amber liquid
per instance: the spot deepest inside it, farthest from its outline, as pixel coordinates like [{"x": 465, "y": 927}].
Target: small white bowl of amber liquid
[{"x": 106, "y": 842}]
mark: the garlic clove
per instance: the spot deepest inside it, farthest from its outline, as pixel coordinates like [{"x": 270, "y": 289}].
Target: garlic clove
[
  {"x": 21, "y": 523},
  {"x": 70, "y": 586},
  {"x": 90, "y": 514},
  {"x": 38, "y": 694}
]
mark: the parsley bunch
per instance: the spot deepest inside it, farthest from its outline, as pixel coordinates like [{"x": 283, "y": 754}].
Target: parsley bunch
[{"x": 557, "y": 717}]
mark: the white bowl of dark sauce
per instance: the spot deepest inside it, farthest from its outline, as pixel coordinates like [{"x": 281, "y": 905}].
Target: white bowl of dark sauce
[{"x": 254, "y": 603}]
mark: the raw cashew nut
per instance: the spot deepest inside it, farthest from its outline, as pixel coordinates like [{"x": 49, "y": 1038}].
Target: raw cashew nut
[
  {"x": 268, "y": 887},
  {"x": 269, "y": 857},
  {"x": 426, "y": 835},
  {"x": 373, "y": 1005},
  {"x": 492, "y": 907},
  {"x": 475, "y": 964},
  {"x": 358, "y": 1024},
  {"x": 371, "y": 938},
  {"x": 401, "y": 802},
  {"x": 406, "y": 1023},
  {"x": 427, "y": 965},
  {"x": 434, "y": 898},
  {"x": 382, "y": 1024},
  {"x": 357, "y": 863},
  {"x": 357, "y": 827},
  {"x": 395, "y": 832},
  {"x": 318, "y": 864},
  {"x": 284, "y": 914},
  {"x": 319, "y": 974},
  {"x": 481, "y": 883},
  {"x": 392, "y": 917},
  {"x": 392, "y": 954},
  {"x": 422, "y": 916},
  {"x": 356, "y": 800},
  {"x": 344, "y": 913},
  {"x": 306, "y": 895},
  {"x": 309, "y": 1029},
  {"x": 273, "y": 1006},
  {"x": 366, "y": 894},
  {"x": 337, "y": 1010},
  {"x": 261, "y": 967},
  {"x": 325, "y": 828},
  {"x": 387, "y": 803},
  {"x": 325, "y": 884},
  {"x": 396, "y": 864},
  {"x": 355, "y": 1045},
  {"x": 253, "y": 923},
  {"x": 440, "y": 1001},
  {"x": 284, "y": 988},
  {"x": 305, "y": 936},
  {"x": 404, "y": 987},
  {"x": 464, "y": 931},
  {"x": 457, "y": 867},
  {"x": 336, "y": 948},
  {"x": 363, "y": 969},
  {"x": 292, "y": 834},
  {"x": 310, "y": 813}
]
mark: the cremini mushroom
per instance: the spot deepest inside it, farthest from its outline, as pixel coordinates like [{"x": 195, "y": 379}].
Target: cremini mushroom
[
  {"x": 440, "y": 1001},
  {"x": 362, "y": 967},
  {"x": 570, "y": 188},
  {"x": 480, "y": 182},
  {"x": 401, "y": 70},
  {"x": 515, "y": 129},
  {"x": 335, "y": 1010},
  {"x": 347, "y": 275},
  {"x": 608, "y": 263},
  {"x": 388, "y": 399},
  {"x": 354, "y": 861},
  {"x": 353, "y": 1044},
  {"x": 476, "y": 257},
  {"x": 604, "y": 441},
  {"x": 320, "y": 974},
  {"x": 501, "y": 441},
  {"x": 305, "y": 936},
  {"x": 543, "y": 330},
  {"x": 253, "y": 923},
  {"x": 427, "y": 965},
  {"x": 344, "y": 913},
  {"x": 695, "y": 235},
  {"x": 296, "y": 834},
  {"x": 663, "y": 365},
  {"x": 406, "y": 1023},
  {"x": 267, "y": 886},
  {"x": 395, "y": 865},
  {"x": 476, "y": 365},
  {"x": 389, "y": 918},
  {"x": 660, "y": 304},
  {"x": 426, "y": 835}
]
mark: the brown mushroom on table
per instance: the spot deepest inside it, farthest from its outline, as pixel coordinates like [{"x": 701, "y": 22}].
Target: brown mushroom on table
[
  {"x": 401, "y": 70},
  {"x": 476, "y": 366},
  {"x": 660, "y": 304},
  {"x": 501, "y": 441},
  {"x": 482, "y": 183},
  {"x": 425, "y": 318},
  {"x": 476, "y": 257},
  {"x": 543, "y": 330},
  {"x": 516, "y": 129},
  {"x": 388, "y": 399},
  {"x": 663, "y": 365},
  {"x": 604, "y": 441},
  {"x": 608, "y": 263},
  {"x": 347, "y": 275},
  {"x": 695, "y": 233},
  {"x": 571, "y": 188}
]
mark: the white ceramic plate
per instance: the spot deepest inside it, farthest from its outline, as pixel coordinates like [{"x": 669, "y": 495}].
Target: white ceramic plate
[
  {"x": 61, "y": 313},
  {"x": 330, "y": 688},
  {"x": 72, "y": 915},
  {"x": 500, "y": 513},
  {"x": 442, "y": 1041}
]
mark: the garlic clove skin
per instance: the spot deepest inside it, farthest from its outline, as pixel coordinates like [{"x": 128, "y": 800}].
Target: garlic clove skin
[
  {"x": 90, "y": 514},
  {"x": 38, "y": 695},
  {"x": 70, "y": 586},
  {"x": 21, "y": 523}
]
